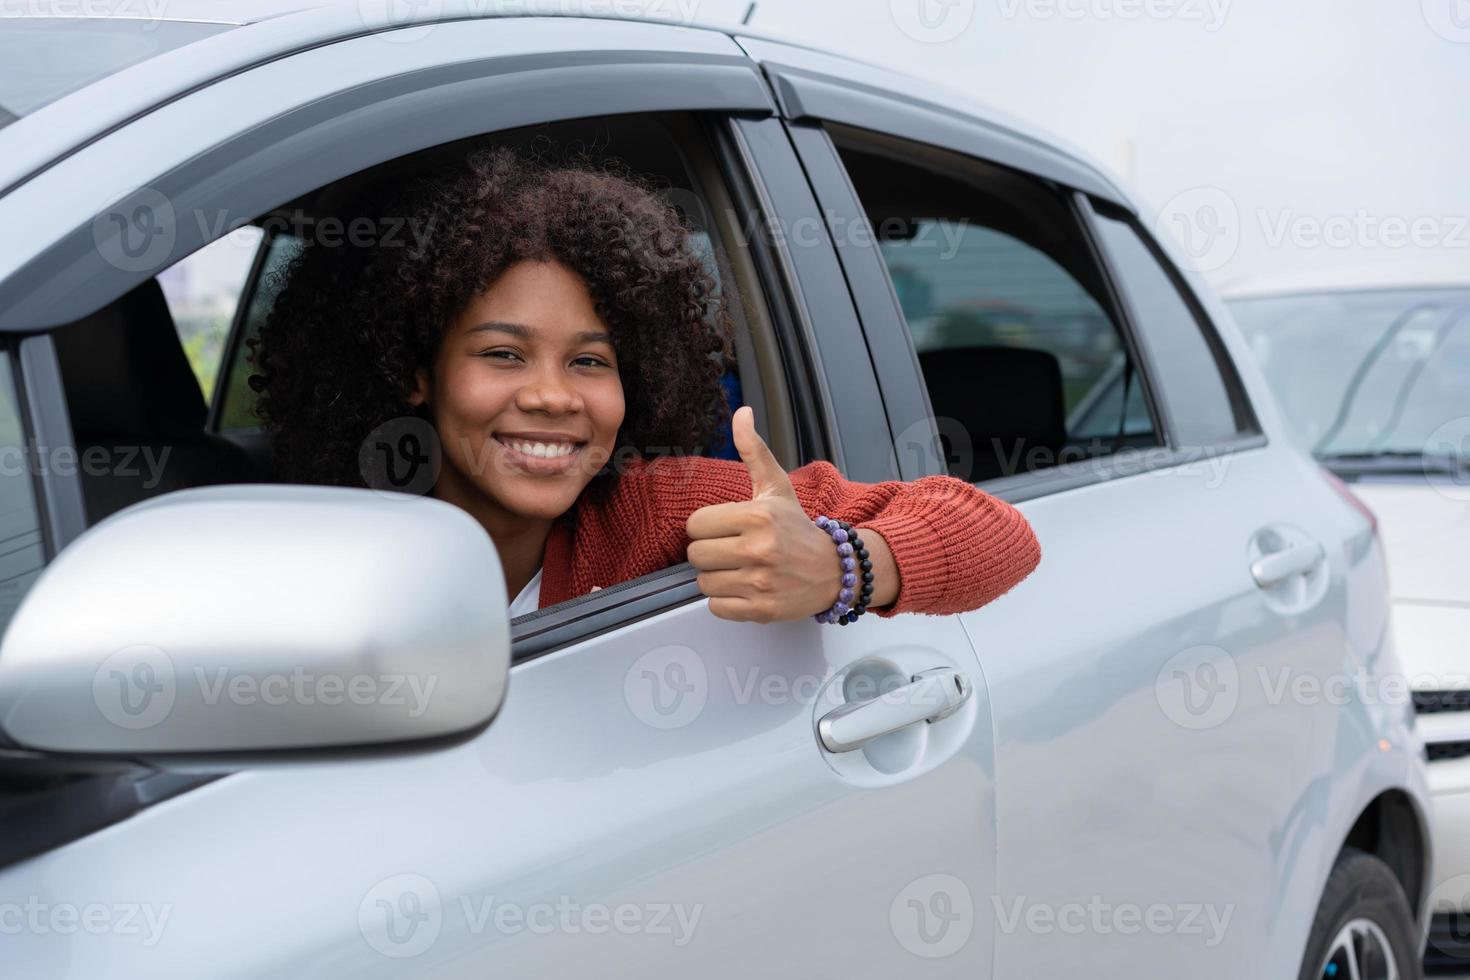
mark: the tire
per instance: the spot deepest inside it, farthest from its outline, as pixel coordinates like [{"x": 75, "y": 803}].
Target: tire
[{"x": 1362, "y": 891}]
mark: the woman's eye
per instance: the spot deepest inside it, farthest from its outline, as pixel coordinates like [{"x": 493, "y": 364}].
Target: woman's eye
[
  {"x": 590, "y": 361},
  {"x": 498, "y": 354}
]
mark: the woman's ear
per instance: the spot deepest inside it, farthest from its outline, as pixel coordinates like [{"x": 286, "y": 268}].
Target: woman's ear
[{"x": 420, "y": 395}]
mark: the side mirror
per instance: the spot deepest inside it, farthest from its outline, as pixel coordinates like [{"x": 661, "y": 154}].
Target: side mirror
[{"x": 239, "y": 622}]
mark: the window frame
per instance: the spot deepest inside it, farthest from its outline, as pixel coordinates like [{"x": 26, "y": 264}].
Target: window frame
[
  {"x": 1248, "y": 427},
  {"x": 235, "y": 335},
  {"x": 812, "y": 90},
  {"x": 763, "y": 178},
  {"x": 904, "y": 391},
  {"x": 620, "y": 68}
]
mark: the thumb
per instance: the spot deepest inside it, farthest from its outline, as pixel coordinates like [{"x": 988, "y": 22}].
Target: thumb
[{"x": 767, "y": 478}]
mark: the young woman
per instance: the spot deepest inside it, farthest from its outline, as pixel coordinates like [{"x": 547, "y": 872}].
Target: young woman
[{"x": 558, "y": 330}]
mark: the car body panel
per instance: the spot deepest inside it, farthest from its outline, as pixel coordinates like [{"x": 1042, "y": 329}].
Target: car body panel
[
  {"x": 1426, "y": 527},
  {"x": 672, "y": 764},
  {"x": 258, "y": 138},
  {"x": 1068, "y": 775}
]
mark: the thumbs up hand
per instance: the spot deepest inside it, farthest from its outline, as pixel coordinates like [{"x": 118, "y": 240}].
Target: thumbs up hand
[{"x": 762, "y": 560}]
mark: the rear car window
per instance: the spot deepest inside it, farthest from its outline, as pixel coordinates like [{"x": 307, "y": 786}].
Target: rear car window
[{"x": 44, "y": 58}]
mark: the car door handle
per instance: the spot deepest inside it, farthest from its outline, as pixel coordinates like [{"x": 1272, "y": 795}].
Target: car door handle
[
  {"x": 929, "y": 696},
  {"x": 1297, "y": 559}
]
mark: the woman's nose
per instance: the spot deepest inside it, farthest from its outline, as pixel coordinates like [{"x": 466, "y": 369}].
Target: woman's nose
[{"x": 549, "y": 391}]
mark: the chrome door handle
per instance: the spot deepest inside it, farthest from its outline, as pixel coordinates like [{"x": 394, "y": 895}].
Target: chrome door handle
[
  {"x": 1275, "y": 568},
  {"x": 929, "y": 696}
]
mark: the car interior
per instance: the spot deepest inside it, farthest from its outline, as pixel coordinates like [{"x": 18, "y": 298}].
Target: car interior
[
  {"x": 998, "y": 359},
  {"x": 130, "y": 385}
]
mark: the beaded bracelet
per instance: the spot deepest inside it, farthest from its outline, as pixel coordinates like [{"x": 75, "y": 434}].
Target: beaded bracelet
[{"x": 855, "y": 564}]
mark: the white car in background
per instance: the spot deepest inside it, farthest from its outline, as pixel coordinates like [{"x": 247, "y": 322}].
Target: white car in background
[{"x": 1375, "y": 376}]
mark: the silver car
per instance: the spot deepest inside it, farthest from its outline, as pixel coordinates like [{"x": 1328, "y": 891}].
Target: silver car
[
  {"x": 242, "y": 737},
  {"x": 1374, "y": 374}
]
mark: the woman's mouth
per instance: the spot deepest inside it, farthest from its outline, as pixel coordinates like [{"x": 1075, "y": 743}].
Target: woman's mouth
[{"x": 540, "y": 455}]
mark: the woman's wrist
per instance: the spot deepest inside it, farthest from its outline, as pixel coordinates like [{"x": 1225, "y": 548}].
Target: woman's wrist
[{"x": 885, "y": 569}]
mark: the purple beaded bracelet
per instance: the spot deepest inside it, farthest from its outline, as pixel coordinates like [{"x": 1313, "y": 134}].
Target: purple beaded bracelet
[{"x": 856, "y": 566}]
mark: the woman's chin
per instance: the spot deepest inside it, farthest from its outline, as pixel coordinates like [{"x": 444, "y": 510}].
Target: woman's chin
[{"x": 545, "y": 500}]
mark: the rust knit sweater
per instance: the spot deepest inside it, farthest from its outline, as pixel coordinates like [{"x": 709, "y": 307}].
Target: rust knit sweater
[{"x": 956, "y": 547}]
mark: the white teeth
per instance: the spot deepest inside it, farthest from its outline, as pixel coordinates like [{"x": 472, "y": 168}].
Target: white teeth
[{"x": 546, "y": 450}]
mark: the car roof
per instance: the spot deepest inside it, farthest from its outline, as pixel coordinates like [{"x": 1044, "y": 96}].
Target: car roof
[
  {"x": 268, "y": 29},
  {"x": 1345, "y": 279}
]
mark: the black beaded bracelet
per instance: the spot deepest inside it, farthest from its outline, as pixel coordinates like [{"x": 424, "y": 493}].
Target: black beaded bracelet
[{"x": 857, "y": 567}]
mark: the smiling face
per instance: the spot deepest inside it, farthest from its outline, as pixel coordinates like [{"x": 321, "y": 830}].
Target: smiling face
[{"x": 525, "y": 396}]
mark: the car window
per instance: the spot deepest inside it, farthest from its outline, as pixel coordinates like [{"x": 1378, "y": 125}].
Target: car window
[
  {"x": 1024, "y": 360},
  {"x": 676, "y": 150},
  {"x": 22, "y": 553},
  {"x": 1192, "y": 374},
  {"x": 1369, "y": 371},
  {"x": 203, "y": 291},
  {"x": 236, "y": 398}
]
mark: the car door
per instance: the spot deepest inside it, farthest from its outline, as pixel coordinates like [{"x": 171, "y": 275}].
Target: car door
[
  {"x": 1160, "y": 783},
  {"x": 653, "y": 797}
]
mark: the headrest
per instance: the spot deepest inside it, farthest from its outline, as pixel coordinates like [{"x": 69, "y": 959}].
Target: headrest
[
  {"x": 1009, "y": 399},
  {"x": 126, "y": 373}
]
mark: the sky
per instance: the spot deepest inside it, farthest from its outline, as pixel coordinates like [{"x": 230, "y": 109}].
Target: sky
[
  {"x": 1276, "y": 140},
  {"x": 1273, "y": 138}
]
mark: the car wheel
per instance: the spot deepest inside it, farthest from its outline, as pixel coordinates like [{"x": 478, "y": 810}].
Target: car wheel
[{"x": 1364, "y": 929}]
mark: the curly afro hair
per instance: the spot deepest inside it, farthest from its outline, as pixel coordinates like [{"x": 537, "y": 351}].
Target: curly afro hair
[{"x": 337, "y": 355}]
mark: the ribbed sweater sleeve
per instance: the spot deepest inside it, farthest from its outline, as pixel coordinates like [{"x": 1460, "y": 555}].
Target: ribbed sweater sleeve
[{"x": 956, "y": 547}]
